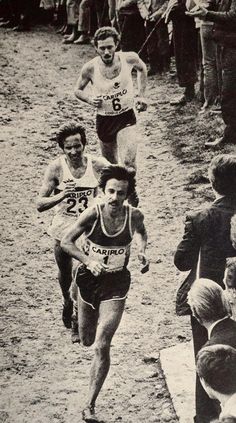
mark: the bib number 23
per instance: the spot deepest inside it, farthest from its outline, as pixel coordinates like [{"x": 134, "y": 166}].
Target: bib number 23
[
  {"x": 82, "y": 205},
  {"x": 116, "y": 104}
]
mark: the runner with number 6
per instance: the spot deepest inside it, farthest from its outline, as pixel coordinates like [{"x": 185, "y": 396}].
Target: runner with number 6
[
  {"x": 110, "y": 74},
  {"x": 69, "y": 186}
]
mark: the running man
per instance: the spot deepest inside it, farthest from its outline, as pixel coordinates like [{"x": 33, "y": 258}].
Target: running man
[
  {"x": 105, "y": 233},
  {"x": 72, "y": 178},
  {"x": 110, "y": 74}
]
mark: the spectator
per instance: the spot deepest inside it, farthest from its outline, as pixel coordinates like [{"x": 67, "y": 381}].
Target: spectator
[
  {"x": 131, "y": 25},
  {"x": 207, "y": 236},
  {"x": 216, "y": 367},
  {"x": 211, "y": 309},
  {"x": 224, "y": 33},
  {"x": 185, "y": 49},
  {"x": 158, "y": 44},
  {"x": 72, "y": 10}
]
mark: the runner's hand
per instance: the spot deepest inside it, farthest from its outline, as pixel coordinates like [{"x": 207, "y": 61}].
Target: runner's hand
[
  {"x": 144, "y": 261},
  {"x": 141, "y": 105},
  {"x": 96, "y": 268},
  {"x": 96, "y": 102},
  {"x": 69, "y": 189}
]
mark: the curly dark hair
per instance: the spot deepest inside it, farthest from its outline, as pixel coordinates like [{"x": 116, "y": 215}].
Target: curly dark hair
[
  {"x": 68, "y": 129},
  {"x": 216, "y": 364},
  {"x": 222, "y": 174},
  {"x": 121, "y": 174},
  {"x": 105, "y": 32}
]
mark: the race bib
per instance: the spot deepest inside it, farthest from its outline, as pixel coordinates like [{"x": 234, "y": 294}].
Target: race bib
[
  {"x": 113, "y": 257},
  {"x": 78, "y": 201}
]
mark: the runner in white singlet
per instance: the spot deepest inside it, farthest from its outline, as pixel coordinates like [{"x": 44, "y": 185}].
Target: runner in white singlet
[
  {"x": 105, "y": 233},
  {"x": 110, "y": 76},
  {"x": 69, "y": 186}
]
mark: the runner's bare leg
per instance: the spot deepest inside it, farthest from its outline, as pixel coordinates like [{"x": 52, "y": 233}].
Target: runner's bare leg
[
  {"x": 110, "y": 313},
  {"x": 109, "y": 151},
  {"x": 127, "y": 140}
]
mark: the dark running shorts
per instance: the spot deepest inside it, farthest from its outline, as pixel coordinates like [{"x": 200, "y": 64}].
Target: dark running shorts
[
  {"x": 105, "y": 287},
  {"x": 109, "y": 126}
]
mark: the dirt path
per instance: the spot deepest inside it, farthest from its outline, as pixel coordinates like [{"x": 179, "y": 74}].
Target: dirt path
[{"x": 45, "y": 377}]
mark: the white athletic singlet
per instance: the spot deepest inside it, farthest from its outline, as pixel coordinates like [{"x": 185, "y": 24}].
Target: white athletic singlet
[
  {"x": 112, "y": 250},
  {"x": 117, "y": 93},
  {"x": 82, "y": 197}
]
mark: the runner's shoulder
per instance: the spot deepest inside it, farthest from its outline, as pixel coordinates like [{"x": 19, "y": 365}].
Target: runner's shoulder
[
  {"x": 136, "y": 215},
  {"x": 54, "y": 168},
  {"x": 99, "y": 163},
  {"x": 88, "y": 69},
  {"x": 131, "y": 57}
]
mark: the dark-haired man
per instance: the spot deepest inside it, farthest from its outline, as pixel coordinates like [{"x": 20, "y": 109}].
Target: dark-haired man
[
  {"x": 110, "y": 74},
  {"x": 216, "y": 367},
  {"x": 207, "y": 239},
  {"x": 69, "y": 185},
  {"x": 105, "y": 234}
]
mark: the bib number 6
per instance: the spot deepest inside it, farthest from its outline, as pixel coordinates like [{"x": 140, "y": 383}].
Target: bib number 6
[{"x": 116, "y": 104}]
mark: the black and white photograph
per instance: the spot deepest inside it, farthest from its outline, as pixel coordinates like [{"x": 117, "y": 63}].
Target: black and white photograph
[{"x": 118, "y": 211}]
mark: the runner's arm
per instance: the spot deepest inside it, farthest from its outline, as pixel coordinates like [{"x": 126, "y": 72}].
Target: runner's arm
[
  {"x": 83, "y": 81},
  {"x": 99, "y": 164},
  {"x": 44, "y": 200},
  {"x": 141, "y": 235},
  {"x": 85, "y": 222},
  {"x": 139, "y": 65},
  {"x": 134, "y": 60}
]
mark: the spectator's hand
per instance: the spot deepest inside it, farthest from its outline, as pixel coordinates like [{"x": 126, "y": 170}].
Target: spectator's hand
[
  {"x": 141, "y": 105},
  {"x": 200, "y": 12},
  {"x": 96, "y": 268}
]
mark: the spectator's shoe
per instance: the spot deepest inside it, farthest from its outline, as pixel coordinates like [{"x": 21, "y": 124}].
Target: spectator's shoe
[
  {"x": 189, "y": 94},
  {"x": 7, "y": 24},
  {"x": 88, "y": 415},
  {"x": 83, "y": 39},
  {"x": 216, "y": 109},
  {"x": 179, "y": 101},
  {"x": 67, "y": 313},
  {"x": 216, "y": 143},
  {"x": 21, "y": 28},
  {"x": 75, "y": 339},
  {"x": 69, "y": 40},
  {"x": 133, "y": 199}
]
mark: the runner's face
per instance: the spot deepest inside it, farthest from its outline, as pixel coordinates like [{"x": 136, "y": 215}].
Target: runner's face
[
  {"x": 106, "y": 50},
  {"x": 116, "y": 194},
  {"x": 73, "y": 147}
]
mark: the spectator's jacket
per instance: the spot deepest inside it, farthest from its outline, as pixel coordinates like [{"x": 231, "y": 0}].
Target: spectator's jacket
[
  {"x": 130, "y": 8},
  {"x": 224, "y": 30},
  {"x": 207, "y": 232},
  {"x": 147, "y": 7}
]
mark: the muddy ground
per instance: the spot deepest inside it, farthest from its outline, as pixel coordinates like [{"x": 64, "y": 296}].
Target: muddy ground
[{"x": 45, "y": 377}]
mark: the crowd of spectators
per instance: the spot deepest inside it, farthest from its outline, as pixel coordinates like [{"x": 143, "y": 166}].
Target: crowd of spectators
[
  {"x": 201, "y": 36},
  {"x": 208, "y": 251}
]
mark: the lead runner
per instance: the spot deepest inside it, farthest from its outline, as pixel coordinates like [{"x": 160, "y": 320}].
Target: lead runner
[
  {"x": 105, "y": 233},
  {"x": 110, "y": 74}
]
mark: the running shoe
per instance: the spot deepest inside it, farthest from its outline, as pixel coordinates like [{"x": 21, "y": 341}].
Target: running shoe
[{"x": 88, "y": 415}]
